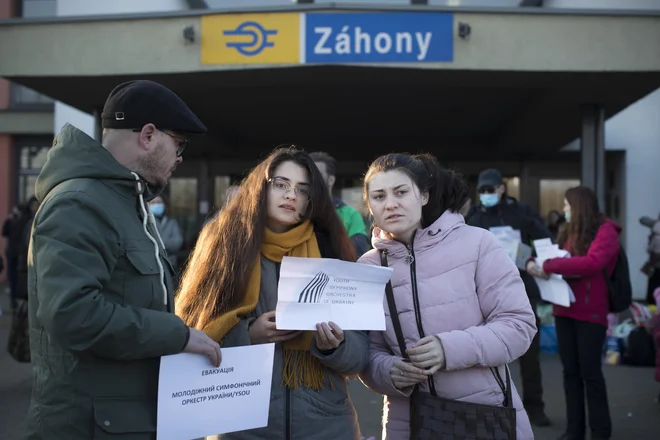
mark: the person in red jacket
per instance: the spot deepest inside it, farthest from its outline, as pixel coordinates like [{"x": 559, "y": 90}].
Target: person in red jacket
[{"x": 593, "y": 242}]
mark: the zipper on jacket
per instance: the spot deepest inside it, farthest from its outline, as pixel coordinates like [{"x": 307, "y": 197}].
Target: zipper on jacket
[
  {"x": 586, "y": 300},
  {"x": 287, "y": 413},
  {"x": 416, "y": 306}
]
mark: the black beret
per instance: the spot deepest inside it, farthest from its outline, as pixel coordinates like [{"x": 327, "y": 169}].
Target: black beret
[{"x": 134, "y": 104}]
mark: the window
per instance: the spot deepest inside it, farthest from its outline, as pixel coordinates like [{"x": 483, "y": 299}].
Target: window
[
  {"x": 182, "y": 194},
  {"x": 552, "y": 194},
  {"x": 513, "y": 187},
  {"x": 24, "y": 97},
  {"x": 32, "y": 155},
  {"x": 221, "y": 183}
]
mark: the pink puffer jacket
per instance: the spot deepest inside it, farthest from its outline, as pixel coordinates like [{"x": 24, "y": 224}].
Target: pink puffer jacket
[{"x": 470, "y": 296}]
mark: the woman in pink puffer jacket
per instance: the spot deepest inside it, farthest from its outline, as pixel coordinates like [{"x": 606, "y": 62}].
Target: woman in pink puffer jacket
[{"x": 460, "y": 299}]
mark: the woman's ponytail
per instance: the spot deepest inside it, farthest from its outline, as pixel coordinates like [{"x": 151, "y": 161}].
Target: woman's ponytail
[{"x": 446, "y": 189}]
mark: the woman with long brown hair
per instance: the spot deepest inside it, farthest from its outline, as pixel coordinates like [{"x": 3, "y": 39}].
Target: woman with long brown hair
[
  {"x": 229, "y": 290},
  {"x": 593, "y": 242}
]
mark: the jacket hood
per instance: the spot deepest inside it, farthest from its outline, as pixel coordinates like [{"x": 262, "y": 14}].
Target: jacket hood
[
  {"x": 75, "y": 155},
  {"x": 422, "y": 239},
  {"x": 614, "y": 225}
]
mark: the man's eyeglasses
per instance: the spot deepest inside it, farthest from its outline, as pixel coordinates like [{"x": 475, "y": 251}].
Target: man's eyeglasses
[
  {"x": 181, "y": 142},
  {"x": 281, "y": 186}
]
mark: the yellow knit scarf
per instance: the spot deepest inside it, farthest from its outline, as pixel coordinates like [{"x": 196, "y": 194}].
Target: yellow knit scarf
[{"x": 300, "y": 367}]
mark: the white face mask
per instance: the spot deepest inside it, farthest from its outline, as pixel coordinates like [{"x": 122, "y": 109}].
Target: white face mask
[
  {"x": 489, "y": 200},
  {"x": 158, "y": 209},
  {"x": 567, "y": 216}
]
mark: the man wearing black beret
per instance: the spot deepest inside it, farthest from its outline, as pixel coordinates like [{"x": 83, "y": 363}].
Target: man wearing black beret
[{"x": 101, "y": 306}]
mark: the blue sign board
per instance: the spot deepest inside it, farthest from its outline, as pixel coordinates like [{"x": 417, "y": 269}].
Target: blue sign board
[{"x": 407, "y": 37}]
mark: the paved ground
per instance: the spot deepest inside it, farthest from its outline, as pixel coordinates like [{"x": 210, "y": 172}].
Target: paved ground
[{"x": 633, "y": 391}]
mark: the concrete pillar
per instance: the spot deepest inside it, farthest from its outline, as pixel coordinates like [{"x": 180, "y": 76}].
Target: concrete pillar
[{"x": 592, "y": 144}]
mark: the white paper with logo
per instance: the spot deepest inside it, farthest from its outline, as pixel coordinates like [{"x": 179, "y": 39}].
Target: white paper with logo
[
  {"x": 316, "y": 290},
  {"x": 197, "y": 400}
]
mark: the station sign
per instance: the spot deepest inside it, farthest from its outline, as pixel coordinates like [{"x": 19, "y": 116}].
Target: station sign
[
  {"x": 328, "y": 38},
  {"x": 251, "y": 39},
  {"x": 408, "y": 37}
]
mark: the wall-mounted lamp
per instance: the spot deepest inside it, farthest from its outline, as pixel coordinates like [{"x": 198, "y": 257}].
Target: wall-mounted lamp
[
  {"x": 189, "y": 34},
  {"x": 464, "y": 30}
]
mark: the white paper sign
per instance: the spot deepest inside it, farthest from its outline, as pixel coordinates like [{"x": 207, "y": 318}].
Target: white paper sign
[
  {"x": 197, "y": 400},
  {"x": 316, "y": 290},
  {"x": 554, "y": 290}
]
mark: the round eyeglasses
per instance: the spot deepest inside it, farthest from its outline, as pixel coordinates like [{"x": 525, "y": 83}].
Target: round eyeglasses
[{"x": 282, "y": 187}]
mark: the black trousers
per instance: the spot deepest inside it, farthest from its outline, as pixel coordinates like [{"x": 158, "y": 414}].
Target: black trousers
[
  {"x": 530, "y": 370},
  {"x": 580, "y": 349}
]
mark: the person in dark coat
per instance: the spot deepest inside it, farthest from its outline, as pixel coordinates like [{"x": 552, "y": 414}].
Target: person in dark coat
[
  {"x": 15, "y": 240},
  {"x": 497, "y": 209},
  {"x": 22, "y": 251},
  {"x": 100, "y": 290}
]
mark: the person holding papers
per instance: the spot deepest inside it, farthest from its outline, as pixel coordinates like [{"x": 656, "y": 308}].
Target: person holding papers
[
  {"x": 461, "y": 304},
  {"x": 100, "y": 287},
  {"x": 229, "y": 290},
  {"x": 592, "y": 240},
  {"x": 497, "y": 209}
]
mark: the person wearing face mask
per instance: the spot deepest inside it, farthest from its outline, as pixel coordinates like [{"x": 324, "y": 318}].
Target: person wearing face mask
[
  {"x": 592, "y": 241},
  {"x": 462, "y": 310},
  {"x": 169, "y": 230},
  {"x": 498, "y": 209}
]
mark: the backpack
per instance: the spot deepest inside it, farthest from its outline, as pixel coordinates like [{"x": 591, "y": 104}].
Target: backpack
[
  {"x": 640, "y": 350},
  {"x": 619, "y": 287}
]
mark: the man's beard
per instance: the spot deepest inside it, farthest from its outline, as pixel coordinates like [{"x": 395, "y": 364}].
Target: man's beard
[{"x": 149, "y": 169}]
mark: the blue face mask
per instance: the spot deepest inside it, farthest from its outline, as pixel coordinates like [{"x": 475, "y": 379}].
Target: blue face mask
[
  {"x": 567, "y": 216},
  {"x": 158, "y": 209},
  {"x": 489, "y": 200}
]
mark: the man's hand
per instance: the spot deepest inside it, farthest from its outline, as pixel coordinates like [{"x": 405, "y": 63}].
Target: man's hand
[
  {"x": 199, "y": 343},
  {"x": 404, "y": 374},
  {"x": 328, "y": 337},
  {"x": 264, "y": 331},
  {"x": 428, "y": 354}
]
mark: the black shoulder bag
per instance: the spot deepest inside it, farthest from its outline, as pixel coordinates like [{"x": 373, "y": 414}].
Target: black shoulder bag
[{"x": 433, "y": 417}]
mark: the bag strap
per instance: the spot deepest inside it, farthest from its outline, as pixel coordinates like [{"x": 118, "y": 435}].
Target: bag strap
[
  {"x": 506, "y": 389},
  {"x": 389, "y": 293},
  {"x": 394, "y": 314}
]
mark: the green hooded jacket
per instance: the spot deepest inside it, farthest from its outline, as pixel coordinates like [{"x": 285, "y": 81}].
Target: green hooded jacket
[{"x": 100, "y": 299}]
